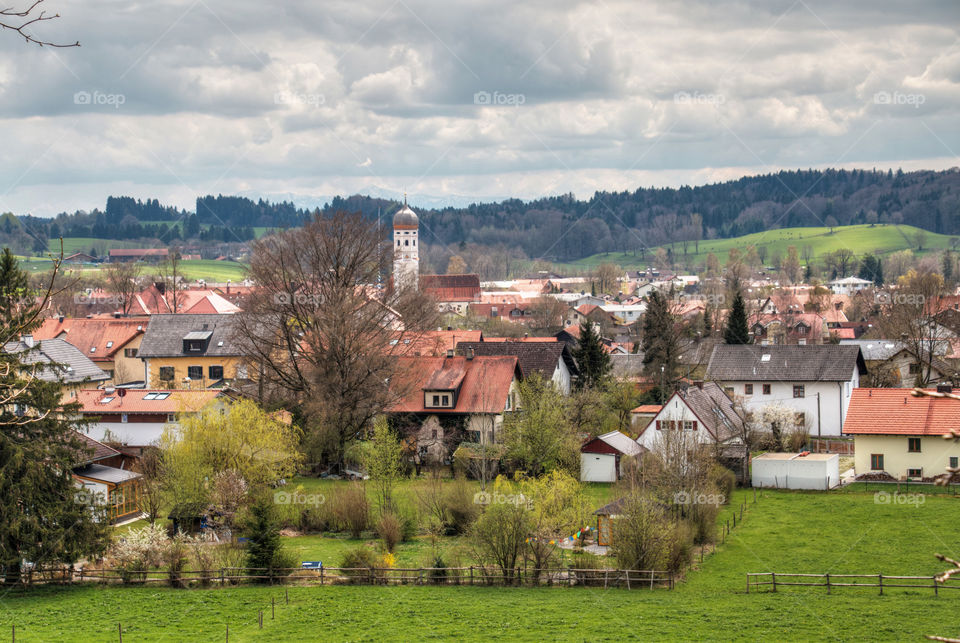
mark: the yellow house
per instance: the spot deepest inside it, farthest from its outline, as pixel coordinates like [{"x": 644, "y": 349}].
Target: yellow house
[
  {"x": 897, "y": 433},
  {"x": 185, "y": 351}
]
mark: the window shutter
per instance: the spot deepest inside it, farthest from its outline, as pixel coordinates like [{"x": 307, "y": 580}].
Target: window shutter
[{"x": 658, "y": 425}]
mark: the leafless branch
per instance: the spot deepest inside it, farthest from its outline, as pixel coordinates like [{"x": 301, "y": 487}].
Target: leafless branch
[{"x": 25, "y": 19}]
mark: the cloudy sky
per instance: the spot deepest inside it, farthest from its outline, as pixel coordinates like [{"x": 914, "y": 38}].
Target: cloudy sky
[{"x": 171, "y": 99}]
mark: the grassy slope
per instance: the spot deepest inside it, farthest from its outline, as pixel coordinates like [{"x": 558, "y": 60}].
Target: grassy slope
[
  {"x": 882, "y": 239},
  {"x": 845, "y": 532}
]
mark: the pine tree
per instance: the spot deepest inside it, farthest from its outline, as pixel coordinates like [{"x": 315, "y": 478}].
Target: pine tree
[
  {"x": 263, "y": 532},
  {"x": 736, "y": 330},
  {"x": 661, "y": 342},
  {"x": 42, "y": 517},
  {"x": 592, "y": 359}
]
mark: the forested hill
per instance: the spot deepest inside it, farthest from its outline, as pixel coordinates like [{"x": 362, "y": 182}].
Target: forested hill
[{"x": 563, "y": 228}]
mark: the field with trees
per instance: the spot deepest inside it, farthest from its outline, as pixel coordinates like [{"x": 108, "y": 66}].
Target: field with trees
[{"x": 845, "y": 532}]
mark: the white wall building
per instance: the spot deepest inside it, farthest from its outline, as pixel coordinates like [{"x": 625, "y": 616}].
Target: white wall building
[
  {"x": 406, "y": 250},
  {"x": 796, "y": 471},
  {"x": 815, "y": 380}
]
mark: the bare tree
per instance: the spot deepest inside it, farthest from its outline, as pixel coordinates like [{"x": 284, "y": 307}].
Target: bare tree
[
  {"x": 171, "y": 276},
  {"x": 607, "y": 276},
  {"x": 123, "y": 281},
  {"x": 19, "y": 20},
  {"x": 547, "y": 313},
  {"x": 320, "y": 333}
]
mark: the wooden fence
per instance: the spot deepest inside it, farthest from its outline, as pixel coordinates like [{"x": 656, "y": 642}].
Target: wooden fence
[
  {"x": 474, "y": 575},
  {"x": 757, "y": 580}
]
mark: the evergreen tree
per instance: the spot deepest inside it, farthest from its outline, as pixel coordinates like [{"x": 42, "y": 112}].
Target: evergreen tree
[
  {"x": 593, "y": 360},
  {"x": 871, "y": 268},
  {"x": 264, "y": 549},
  {"x": 661, "y": 342},
  {"x": 42, "y": 517},
  {"x": 736, "y": 330}
]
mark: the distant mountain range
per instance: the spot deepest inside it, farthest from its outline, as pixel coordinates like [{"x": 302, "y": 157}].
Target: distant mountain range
[
  {"x": 559, "y": 228},
  {"x": 419, "y": 201}
]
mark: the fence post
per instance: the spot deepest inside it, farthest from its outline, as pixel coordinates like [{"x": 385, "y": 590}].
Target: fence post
[
  {"x": 880, "y": 578},
  {"x": 120, "y": 632},
  {"x": 748, "y": 582},
  {"x": 260, "y": 618},
  {"x": 605, "y": 572},
  {"x": 773, "y": 577},
  {"x": 628, "y": 578},
  {"x": 286, "y": 591},
  {"x": 651, "y": 579},
  {"x": 228, "y": 633},
  {"x": 273, "y": 608},
  {"x": 936, "y": 591},
  {"x": 321, "y": 574},
  {"x": 471, "y": 575},
  {"x": 828, "y": 582}
]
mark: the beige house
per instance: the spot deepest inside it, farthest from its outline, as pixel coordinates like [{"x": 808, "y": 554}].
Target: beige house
[{"x": 901, "y": 435}]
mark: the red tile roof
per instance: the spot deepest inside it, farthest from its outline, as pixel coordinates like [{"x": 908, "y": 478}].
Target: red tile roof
[
  {"x": 87, "y": 334},
  {"x": 894, "y": 411},
  {"x": 434, "y": 343},
  {"x": 647, "y": 408},
  {"x": 483, "y": 389},
  {"x": 451, "y": 287},
  {"x": 175, "y": 401}
]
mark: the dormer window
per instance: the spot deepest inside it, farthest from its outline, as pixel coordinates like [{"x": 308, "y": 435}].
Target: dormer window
[
  {"x": 196, "y": 341},
  {"x": 439, "y": 399}
]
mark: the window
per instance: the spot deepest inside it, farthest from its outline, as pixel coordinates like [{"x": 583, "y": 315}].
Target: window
[
  {"x": 123, "y": 417},
  {"x": 914, "y": 369},
  {"x": 406, "y": 242},
  {"x": 166, "y": 373},
  {"x": 193, "y": 345},
  {"x": 914, "y": 473},
  {"x": 913, "y": 445},
  {"x": 876, "y": 461},
  {"x": 953, "y": 462},
  {"x": 446, "y": 400},
  {"x": 766, "y": 389},
  {"x": 728, "y": 390},
  {"x": 195, "y": 372},
  {"x": 748, "y": 389},
  {"x": 436, "y": 400},
  {"x": 689, "y": 425},
  {"x": 802, "y": 342},
  {"x": 433, "y": 434},
  {"x": 798, "y": 390},
  {"x": 171, "y": 417},
  {"x": 215, "y": 372},
  {"x": 129, "y": 352}
]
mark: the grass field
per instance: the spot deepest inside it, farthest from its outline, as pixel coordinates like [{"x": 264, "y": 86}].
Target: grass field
[
  {"x": 879, "y": 239},
  {"x": 192, "y": 269},
  {"x": 784, "y": 531}
]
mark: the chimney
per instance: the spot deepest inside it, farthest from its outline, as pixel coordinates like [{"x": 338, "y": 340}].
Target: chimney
[
  {"x": 698, "y": 384},
  {"x": 469, "y": 354},
  {"x": 450, "y": 352},
  {"x": 60, "y": 319},
  {"x": 228, "y": 286},
  {"x": 161, "y": 287},
  {"x": 945, "y": 387},
  {"x": 28, "y": 340}
]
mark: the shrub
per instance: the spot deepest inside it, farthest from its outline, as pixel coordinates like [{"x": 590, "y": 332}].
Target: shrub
[
  {"x": 357, "y": 561},
  {"x": 314, "y": 519},
  {"x": 138, "y": 551},
  {"x": 460, "y": 509},
  {"x": 702, "y": 519},
  {"x": 390, "y": 531},
  {"x": 351, "y": 509},
  {"x": 265, "y": 551},
  {"x": 724, "y": 480},
  {"x": 643, "y": 536},
  {"x": 175, "y": 556},
  {"x": 681, "y": 548}
]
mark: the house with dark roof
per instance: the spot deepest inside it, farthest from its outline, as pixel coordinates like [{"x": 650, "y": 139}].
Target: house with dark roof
[
  {"x": 900, "y": 435},
  {"x": 189, "y": 351},
  {"x": 816, "y": 381},
  {"x": 56, "y": 360},
  {"x": 705, "y": 414},
  {"x": 443, "y": 401},
  {"x": 552, "y": 360},
  {"x": 895, "y": 364}
]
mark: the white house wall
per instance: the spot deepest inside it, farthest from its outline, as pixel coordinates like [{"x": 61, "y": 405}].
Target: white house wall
[
  {"x": 796, "y": 474},
  {"x": 136, "y": 434},
  {"x": 675, "y": 410},
  {"x": 561, "y": 377},
  {"x": 834, "y": 401}
]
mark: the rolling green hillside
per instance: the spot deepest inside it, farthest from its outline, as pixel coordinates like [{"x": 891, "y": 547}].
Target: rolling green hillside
[{"x": 878, "y": 239}]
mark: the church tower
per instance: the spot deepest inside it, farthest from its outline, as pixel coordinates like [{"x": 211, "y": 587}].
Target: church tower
[{"x": 406, "y": 251}]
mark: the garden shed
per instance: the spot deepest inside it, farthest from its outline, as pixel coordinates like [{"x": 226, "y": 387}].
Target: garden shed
[{"x": 600, "y": 457}]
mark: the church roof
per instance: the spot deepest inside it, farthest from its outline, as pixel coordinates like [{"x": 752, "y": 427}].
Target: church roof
[{"x": 405, "y": 217}]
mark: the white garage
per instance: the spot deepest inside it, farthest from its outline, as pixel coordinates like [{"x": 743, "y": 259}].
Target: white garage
[
  {"x": 796, "y": 470},
  {"x": 600, "y": 457}
]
